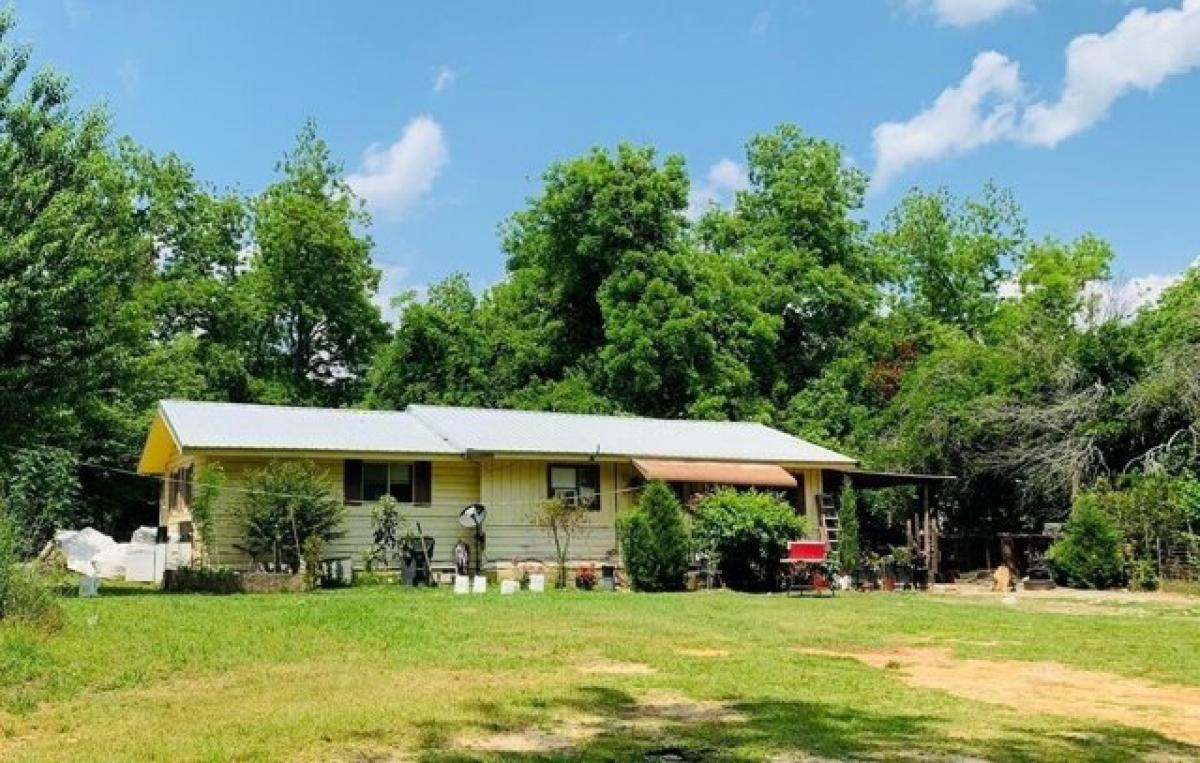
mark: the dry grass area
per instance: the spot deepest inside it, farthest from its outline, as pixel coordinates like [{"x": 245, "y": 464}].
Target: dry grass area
[{"x": 384, "y": 674}]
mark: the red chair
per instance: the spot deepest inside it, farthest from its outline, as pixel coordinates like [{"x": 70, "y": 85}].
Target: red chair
[{"x": 806, "y": 568}]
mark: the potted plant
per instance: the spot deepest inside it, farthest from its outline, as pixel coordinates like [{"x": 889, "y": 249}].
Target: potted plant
[
  {"x": 887, "y": 572},
  {"x": 585, "y": 576},
  {"x": 902, "y": 558}
]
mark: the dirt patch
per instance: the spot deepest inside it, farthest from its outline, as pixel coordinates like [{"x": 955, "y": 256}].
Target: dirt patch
[
  {"x": 666, "y": 705},
  {"x": 1047, "y": 687},
  {"x": 616, "y": 668},
  {"x": 655, "y": 712},
  {"x": 531, "y": 741},
  {"x": 703, "y": 653}
]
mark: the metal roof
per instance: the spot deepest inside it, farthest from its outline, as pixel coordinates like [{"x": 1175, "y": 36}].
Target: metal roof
[
  {"x": 438, "y": 430},
  {"x": 482, "y": 430},
  {"x": 239, "y": 426}
]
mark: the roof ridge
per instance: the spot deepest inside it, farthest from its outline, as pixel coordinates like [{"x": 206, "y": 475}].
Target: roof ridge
[
  {"x": 619, "y": 416},
  {"x": 283, "y": 407}
]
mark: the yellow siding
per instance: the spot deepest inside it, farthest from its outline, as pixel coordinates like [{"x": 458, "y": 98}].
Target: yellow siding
[
  {"x": 510, "y": 488},
  {"x": 513, "y": 489},
  {"x": 454, "y": 485},
  {"x": 812, "y": 511}
]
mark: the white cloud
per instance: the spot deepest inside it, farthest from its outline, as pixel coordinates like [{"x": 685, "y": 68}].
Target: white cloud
[
  {"x": 1140, "y": 52},
  {"x": 1144, "y": 49},
  {"x": 978, "y": 110},
  {"x": 443, "y": 78},
  {"x": 723, "y": 180},
  {"x": 760, "y": 23},
  {"x": 962, "y": 13},
  {"x": 394, "y": 177},
  {"x": 1122, "y": 299}
]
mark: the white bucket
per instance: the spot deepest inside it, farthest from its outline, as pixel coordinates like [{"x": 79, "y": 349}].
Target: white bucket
[
  {"x": 479, "y": 584},
  {"x": 537, "y": 583},
  {"x": 509, "y": 587},
  {"x": 89, "y": 585},
  {"x": 462, "y": 584}
]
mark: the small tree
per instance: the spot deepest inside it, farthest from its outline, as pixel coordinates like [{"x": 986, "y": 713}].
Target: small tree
[
  {"x": 210, "y": 480},
  {"x": 1089, "y": 553},
  {"x": 747, "y": 533},
  {"x": 849, "y": 552},
  {"x": 285, "y": 503},
  {"x": 390, "y": 528},
  {"x": 655, "y": 542},
  {"x": 562, "y": 521}
]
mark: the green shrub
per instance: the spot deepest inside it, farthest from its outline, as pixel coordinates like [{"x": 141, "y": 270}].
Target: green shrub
[
  {"x": 313, "y": 548},
  {"x": 849, "y": 552},
  {"x": 209, "y": 483},
  {"x": 24, "y": 598},
  {"x": 285, "y": 503},
  {"x": 747, "y": 533},
  {"x": 654, "y": 541},
  {"x": 1143, "y": 575},
  {"x": 1089, "y": 553}
]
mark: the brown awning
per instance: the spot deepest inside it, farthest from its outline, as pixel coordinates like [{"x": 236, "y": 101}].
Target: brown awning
[{"x": 715, "y": 472}]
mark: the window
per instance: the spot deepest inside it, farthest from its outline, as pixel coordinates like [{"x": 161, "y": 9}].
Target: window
[
  {"x": 578, "y": 485},
  {"x": 395, "y": 480},
  {"x": 179, "y": 489}
]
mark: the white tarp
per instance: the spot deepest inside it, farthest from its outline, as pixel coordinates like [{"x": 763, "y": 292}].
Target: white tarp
[
  {"x": 91, "y": 552},
  {"x": 80, "y": 547}
]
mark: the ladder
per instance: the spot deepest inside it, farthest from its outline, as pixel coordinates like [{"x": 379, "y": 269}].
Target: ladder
[{"x": 831, "y": 525}]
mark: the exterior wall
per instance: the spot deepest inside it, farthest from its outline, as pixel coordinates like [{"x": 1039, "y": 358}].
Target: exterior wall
[
  {"x": 512, "y": 489},
  {"x": 812, "y": 488},
  {"x": 454, "y": 485}
]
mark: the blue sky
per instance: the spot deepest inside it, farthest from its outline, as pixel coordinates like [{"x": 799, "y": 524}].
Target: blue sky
[{"x": 445, "y": 114}]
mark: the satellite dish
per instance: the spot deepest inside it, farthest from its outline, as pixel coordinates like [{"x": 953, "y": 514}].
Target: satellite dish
[{"x": 473, "y": 516}]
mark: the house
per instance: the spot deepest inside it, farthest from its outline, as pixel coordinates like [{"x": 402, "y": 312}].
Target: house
[{"x": 437, "y": 460}]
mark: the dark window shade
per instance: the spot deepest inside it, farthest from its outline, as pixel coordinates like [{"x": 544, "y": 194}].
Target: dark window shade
[
  {"x": 374, "y": 481},
  {"x": 422, "y": 487},
  {"x": 352, "y": 480}
]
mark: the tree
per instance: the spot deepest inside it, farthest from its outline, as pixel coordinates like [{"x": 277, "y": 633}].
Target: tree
[
  {"x": 285, "y": 503},
  {"x": 72, "y": 257},
  {"x": 562, "y": 521},
  {"x": 795, "y": 226},
  {"x": 655, "y": 542},
  {"x": 592, "y": 212},
  {"x": 312, "y": 281},
  {"x": 849, "y": 550},
  {"x": 952, "y": 256},
  {"x": 1089, "y": 553}
]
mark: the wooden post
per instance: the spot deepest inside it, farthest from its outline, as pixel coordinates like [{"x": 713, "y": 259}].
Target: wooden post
[{"x": 930, "y": 545}]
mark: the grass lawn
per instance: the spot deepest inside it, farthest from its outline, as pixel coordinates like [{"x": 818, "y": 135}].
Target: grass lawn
[{"x": 392, "y": 674}]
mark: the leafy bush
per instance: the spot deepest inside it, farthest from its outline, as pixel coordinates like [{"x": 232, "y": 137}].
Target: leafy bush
[
  {"x": 285, "y": 503},
  {"x": 389, "y": 527},
  {"x": 849, "y": 552},
  {"x": 654, "y": 541},
  {"x": 41, "y": 490},
  {"x": 1143, "y": 575},
  {"x": 313, "y": 548},
  {"x": 1089, "y": 553},
  {"x": 23, "y": 596},
  {"x": 562, "y": 521},
  {"x": 209, "y": 483},
  {"x": 747, "y": 533}
]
